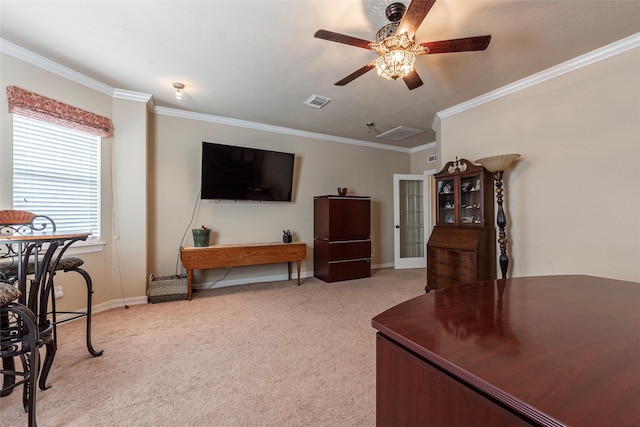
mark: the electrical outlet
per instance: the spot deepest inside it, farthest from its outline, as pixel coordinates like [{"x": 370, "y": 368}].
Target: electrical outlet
[{"x": 57, "y": 291}]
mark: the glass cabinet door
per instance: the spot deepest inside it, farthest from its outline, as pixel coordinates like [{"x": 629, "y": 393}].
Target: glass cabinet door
[
  {"x": 411, "y": 219},
  {"x": 446, "y": 202},
  {"x": 470, "y": 200}
]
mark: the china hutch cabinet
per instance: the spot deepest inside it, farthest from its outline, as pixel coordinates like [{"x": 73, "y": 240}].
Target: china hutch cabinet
[{"x": 462, "y": 245}]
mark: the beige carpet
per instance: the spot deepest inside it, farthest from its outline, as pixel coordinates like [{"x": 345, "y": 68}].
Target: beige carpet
[{"x": 272, "y": 354}]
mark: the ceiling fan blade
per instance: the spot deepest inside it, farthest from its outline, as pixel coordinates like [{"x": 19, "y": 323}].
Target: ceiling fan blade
[
  {"x": 414, "y": 15},
  {"x": 412, "y": 80},
  {"x": 356, "y": 74},
  {"x": 342, "y": 38},
  {"x": 457, "y": 45}
]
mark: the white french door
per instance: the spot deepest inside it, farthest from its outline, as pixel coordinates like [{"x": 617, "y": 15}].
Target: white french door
[{"x": 411, "y": 220}]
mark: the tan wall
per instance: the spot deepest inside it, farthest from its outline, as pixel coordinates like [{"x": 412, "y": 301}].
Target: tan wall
[
  {"x": 419, "y": 161},
  {"x": 573, "y": 201},
  {"x": 19, "y": 73},
  {"x": 130, "y": 181},
  {"x": 321, "y": 167},
  {"x": 156, "y": 176}
]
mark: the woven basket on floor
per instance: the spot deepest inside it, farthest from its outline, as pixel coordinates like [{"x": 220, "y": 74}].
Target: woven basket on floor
[{"x": 167, "y": 288}]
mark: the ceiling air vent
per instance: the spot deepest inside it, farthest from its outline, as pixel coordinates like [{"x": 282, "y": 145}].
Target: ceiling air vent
[
  {"x": 399, "y": 133},
  {"x": 317, "y": 101}
]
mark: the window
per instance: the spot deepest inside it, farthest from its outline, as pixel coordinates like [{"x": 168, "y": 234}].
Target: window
[{"x": 56, "y": 172}]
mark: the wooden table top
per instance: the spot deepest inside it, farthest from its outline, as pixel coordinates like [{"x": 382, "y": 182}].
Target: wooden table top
[
  {"x": 239, "y": 245},
  {"x": 41, "y": 237},
  {"x": 565, "y": 350}
]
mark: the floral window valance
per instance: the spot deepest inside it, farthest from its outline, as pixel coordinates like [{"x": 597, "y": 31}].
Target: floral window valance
[{"x": 48, "y": 110}]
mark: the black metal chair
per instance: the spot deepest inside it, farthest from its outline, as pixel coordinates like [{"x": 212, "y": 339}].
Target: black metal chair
[
  {"x": 19, "y": 337},
  {"x": 41, "y": 291}
]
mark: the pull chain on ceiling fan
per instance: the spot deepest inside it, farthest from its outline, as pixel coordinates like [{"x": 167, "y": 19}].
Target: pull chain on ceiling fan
[{"x": 396, "y": 47}]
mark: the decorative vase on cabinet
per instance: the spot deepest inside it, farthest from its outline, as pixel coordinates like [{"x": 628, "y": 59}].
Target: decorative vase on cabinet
[{"x": 462, "y": 245}]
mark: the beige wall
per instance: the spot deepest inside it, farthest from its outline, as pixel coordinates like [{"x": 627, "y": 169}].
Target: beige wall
[
  {"x": 155, "y": 174},
  {"x": 19, "y": 73},
  {"x": 130, "y": 194},
  {"x": 321, "y": 167},
  {"x": 419, "y": 160},
  {"x": 573, "y": 201}
]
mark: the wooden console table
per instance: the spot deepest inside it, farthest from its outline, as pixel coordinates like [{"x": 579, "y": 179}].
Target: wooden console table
[
  {"x": 220, "y": 256},
  {"x": 541, "y": 351}
]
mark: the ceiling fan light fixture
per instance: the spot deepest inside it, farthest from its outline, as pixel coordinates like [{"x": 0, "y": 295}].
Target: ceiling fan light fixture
[
  {"x": 395, "y": 65},
  {"x": 396, "y": 47},
  {"x": 396, "y": 56}
]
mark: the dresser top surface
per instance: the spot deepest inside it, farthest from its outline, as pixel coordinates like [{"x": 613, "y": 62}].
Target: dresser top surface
[
  {"x": 562, "y": 348},
  {"x": 329, "y": 196}
]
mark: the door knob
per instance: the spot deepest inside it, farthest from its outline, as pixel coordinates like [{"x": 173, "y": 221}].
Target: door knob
[{"x": 397, "y": 226}]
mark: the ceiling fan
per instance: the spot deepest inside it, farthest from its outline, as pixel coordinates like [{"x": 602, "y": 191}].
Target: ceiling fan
[{"x": 396, "y": 47}]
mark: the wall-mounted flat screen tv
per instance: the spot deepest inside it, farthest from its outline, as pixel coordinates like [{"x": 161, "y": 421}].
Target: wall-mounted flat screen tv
[{"x": 241, "y": 173}]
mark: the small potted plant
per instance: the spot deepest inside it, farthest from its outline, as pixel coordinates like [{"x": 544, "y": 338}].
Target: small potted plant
[{"x": 201, "y": 236}]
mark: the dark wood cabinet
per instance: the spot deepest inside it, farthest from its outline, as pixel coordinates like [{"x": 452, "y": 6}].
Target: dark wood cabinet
[
  {"x": 462, "y": 245},
  {"x": 342, "y": 244},
  {"x": 412, "y": 392}
]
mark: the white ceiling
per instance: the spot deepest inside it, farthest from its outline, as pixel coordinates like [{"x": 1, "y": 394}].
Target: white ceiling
[{"x": 258, "y": 60}]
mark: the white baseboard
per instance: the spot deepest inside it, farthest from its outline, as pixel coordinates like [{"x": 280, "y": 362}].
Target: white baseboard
[
  {"x": 249, "y": 280},
  {"x": 119, "y": 303},
  {"x": 122, "y": 302},
  {"x": 380, "y": 266},
  {"x": 265, "y": 279}
]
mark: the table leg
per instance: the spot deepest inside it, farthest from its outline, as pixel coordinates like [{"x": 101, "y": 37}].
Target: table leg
[
  {"x": 289, "y": 268},
  {"x": 8, "y": 363},
  {"x": 189, "y": 280},
  {"x": 299, "y": 261},
  {"x": 89, "y": 283}
]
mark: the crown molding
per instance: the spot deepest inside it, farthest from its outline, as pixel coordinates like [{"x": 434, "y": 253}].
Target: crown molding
[
  {"x": 423, "y": 147},
  {"x": 166, "y": 111},
  {"x": 40, "y": 61},
  {"x": 135, "y": 96},
  {"x": 592, "y": 57},
  {"x": 32, "y": 58},
  {"x": 49, "y": 65}
]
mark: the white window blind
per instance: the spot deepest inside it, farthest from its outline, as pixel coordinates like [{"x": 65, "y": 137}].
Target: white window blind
[{"x": 56, "y": 172}]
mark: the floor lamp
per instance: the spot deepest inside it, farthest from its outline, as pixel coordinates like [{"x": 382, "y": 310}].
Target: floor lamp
[{"x": 497, "y": 165}]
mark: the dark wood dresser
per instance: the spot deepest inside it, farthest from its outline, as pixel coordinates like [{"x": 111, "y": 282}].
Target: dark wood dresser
[
  {"x": 342, "y": 243},
  {"x": 534, "y": 351}
]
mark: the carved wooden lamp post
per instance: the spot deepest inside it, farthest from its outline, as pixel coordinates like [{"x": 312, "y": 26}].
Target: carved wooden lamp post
[{"x": 497, "y": 165}]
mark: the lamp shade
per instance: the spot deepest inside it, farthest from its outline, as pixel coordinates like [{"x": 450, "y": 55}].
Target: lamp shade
[{"x": 498, "y": 163}]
